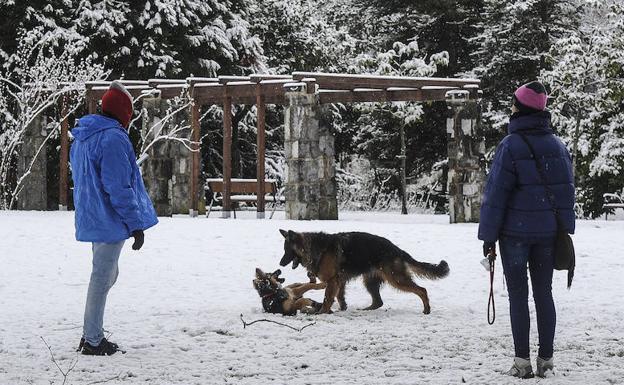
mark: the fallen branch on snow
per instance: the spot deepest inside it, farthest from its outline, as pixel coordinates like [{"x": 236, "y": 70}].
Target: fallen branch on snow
[
  {"x": 104, "y": 381},
  {"x": 245, "y": 324},
  {"x": 71, "y": 367}
]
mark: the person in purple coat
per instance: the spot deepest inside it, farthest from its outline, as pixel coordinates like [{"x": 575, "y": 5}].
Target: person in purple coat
[{"x": 517, "y": 212}]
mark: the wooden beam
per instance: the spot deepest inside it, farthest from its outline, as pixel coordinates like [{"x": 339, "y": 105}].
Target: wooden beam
[
  {"x": 278, "y": 100},
  {"x": 199, "y": 79},
  {"x": 195, "y": 160},
  {"x": 257, "y": 78},
  {"x": 170, "y": 91},
  {"x": 192, "y": 81},
  {"x": 274, "y": 87},
  {"x": 347, "y": 81},
  {"x": 104, "y": 83},
  {"x": 364, "y": 96},
  {"x": 241, "y": 92},
  {"x": 229, "y": 79},
  {"x": 136, "y": 90},
  {"x": 153, "y": 83},
  {"x": 64, "y": 157},
  {"x": 227, "y": 153},
  {"x": 261, "y": 109},
  {"x": 310, "y": 85}
]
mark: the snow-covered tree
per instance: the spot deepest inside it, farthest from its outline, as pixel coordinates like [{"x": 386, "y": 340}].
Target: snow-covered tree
[
  {"x": 32, "y": 82},
  {"x": 146, "y": 38},
  {"x": 514, "y": 44},
  {"x": 297, "y": 36},
  {"x": 376, "y": 134},
  {"x": 587, "y": 83}
]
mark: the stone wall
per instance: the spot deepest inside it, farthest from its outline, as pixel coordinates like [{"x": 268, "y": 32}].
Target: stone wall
[
  {"x": 466, "y": 157},
  {"x": 167, "y": 171},
  {"x": 309, "y": 148}
]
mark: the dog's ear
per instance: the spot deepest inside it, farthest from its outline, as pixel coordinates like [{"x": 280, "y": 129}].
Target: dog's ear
[
  {"x": 277, "y": 273},
  {"x": 294, "y": 236},
  {"x": 259, "y": 273},
  {"x": 284, "y": 233}
]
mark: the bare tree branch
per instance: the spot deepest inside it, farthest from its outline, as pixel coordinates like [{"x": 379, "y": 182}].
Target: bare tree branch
[
  {"x": 245, "y": 324},
  {"x": 71, "y": 366}
]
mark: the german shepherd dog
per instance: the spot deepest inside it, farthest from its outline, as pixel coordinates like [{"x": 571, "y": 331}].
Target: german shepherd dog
[
  {"x": 337, "y": 258},
  {"x": 287, "y": 300}
]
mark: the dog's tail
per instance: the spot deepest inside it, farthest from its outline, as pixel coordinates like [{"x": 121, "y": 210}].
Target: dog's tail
[{"x": 427, "y": 270}]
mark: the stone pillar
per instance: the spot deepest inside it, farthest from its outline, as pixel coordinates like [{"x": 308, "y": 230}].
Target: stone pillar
[
  {"x": 466, "y": 157},
  {"x": 34, "y": 193},
  {"x": 309, "y": 148},
  {"x": 167, "y": 171}
]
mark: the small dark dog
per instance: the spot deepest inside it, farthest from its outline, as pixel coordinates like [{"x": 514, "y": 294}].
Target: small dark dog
[{"x": 285, "y": 300}]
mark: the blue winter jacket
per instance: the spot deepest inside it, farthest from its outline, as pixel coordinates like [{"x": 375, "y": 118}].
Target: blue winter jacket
[
  {"x": 515, "y": 201},
  {"x": 109, "y": 195}
]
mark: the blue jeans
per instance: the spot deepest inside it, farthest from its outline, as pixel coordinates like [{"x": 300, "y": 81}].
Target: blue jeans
[
  {"x": 515, "y": 253},
  {"x": 103, "y": 277}
]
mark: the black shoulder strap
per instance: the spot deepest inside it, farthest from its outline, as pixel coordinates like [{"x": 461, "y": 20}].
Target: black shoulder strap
[{"x": 542, "y": 175}]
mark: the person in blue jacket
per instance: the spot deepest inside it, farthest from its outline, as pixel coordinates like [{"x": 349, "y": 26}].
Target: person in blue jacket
[
  {"x": 517, "y": 213},
  {"x": 111, "y": 203}
]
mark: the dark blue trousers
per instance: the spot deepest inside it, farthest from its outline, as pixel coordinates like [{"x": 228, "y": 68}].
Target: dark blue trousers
[{"x": 538, "y": 253}]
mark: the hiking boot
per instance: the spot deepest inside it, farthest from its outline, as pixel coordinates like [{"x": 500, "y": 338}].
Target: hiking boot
[
  {"x": 545, "y": 367},
  {"x": 521, "y": 368},
  {"x": 105, "y": 348}
]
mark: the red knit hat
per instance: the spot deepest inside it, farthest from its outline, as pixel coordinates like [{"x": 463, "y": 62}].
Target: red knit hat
[{"x": 117, "y": 102}]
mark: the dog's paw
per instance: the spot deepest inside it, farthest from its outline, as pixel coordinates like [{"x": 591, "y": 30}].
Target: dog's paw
[{"x": 427, "y": 310}]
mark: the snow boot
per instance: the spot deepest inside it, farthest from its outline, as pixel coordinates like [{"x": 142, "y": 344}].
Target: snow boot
[
  {"x": 105, "y": 348},
  {"x": 521, "y": 368},
  {"x": 545, "y": 367}
]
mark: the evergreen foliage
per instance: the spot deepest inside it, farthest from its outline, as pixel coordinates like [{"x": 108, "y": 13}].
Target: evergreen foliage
[{"x": 575, "y": 46}]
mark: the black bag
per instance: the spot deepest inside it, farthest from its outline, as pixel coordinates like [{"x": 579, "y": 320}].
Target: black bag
[{"x": 565, "y": 258}]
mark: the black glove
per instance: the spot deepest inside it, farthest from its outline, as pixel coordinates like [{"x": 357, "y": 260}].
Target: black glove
[
  {"x": 139, "y": 238},
  {"x": 487, "y": 246}
]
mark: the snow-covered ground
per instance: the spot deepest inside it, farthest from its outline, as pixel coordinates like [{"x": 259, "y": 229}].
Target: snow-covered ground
[{"x": 177, "y": 304}]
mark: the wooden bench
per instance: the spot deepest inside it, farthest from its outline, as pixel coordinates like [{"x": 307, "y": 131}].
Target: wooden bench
[
  {"x": 612, "y": 201},
  {"x": 243, "y": 191}
]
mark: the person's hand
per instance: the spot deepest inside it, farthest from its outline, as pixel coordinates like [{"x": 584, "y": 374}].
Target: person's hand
[
  {"x": 139, "y": 239},
  {"x": 489, "y": 247}
]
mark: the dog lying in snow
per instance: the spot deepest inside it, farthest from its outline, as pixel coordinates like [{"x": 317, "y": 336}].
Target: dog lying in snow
[{"x": 285, "y": 300}]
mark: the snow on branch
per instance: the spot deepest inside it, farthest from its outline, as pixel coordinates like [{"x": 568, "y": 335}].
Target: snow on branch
[{"x": 32, "y": 83}]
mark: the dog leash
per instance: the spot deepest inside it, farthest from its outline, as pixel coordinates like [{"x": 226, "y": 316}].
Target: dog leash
[{"x": 491, "y": 312}]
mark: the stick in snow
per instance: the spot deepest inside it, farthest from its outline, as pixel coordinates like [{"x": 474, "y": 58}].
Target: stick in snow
[
  {"x": 245, "y": 324},
  {"x": 69, "y": 369}
]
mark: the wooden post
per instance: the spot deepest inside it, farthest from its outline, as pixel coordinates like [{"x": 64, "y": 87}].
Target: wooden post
[
  {"x": 261, "y": 108},
  {"x": 91, "y": 104},
  {"x": 195, "y": 159},
  {"x": 227, "y": 152},
  {"x": 64, "y": 157},
  {"x": 403, "y": 157}
]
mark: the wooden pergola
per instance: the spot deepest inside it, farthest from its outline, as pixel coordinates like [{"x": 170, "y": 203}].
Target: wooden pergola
[{"x": 262, "y": 90}]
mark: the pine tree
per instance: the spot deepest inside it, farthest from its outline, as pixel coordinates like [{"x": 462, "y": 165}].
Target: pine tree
[
  {"x": 587, "y": 97},
  {"x": 515, "y": 40},
  {"x": 146, "y": 38}
]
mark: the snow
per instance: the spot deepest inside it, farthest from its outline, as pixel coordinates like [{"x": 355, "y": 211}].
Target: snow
[{"x": 177, "y": 303}]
